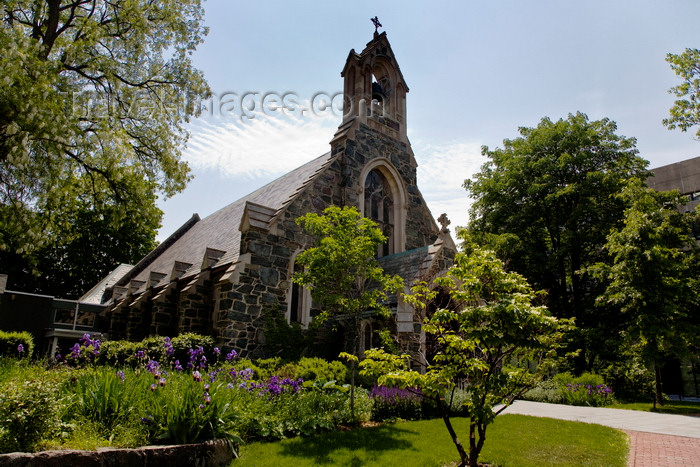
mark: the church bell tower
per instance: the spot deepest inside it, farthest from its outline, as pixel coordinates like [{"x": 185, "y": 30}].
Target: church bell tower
[{"x": 374, "y": 90}]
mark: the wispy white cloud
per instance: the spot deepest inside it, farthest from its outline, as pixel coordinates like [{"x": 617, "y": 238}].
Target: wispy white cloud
[
  {"x": 442, "y": 169},
  {"x": 259, "y": 147},
  {"x": 266, "y": 147}
]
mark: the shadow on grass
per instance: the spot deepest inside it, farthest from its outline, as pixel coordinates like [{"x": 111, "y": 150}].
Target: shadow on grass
[
  {"x": 679, "y": 408},
  {"x": 371, "y": 441},
  {"x": 669, "y": 407}
]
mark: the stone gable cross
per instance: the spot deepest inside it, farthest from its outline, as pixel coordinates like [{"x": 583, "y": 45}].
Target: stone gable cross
[{"x": 444, "y": 222}]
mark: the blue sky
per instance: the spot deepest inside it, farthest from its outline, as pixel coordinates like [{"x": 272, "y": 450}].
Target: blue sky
[{"x": 477, "y": 70}]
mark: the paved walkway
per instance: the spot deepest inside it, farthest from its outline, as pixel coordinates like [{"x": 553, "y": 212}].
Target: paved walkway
[
  {"x": 656, "y": 440},
  {"x": 654, "y": 450},
  {"x": 649, "y": 422}
]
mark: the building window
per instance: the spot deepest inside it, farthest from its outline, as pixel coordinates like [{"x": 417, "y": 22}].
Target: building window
[{"x": 379, "y": 206}]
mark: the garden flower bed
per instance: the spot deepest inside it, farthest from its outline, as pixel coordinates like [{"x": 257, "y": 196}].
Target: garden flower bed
[{"x": 158, "y": 393}]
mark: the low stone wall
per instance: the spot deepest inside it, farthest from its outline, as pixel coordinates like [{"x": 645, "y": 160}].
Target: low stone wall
[{"x": 207, "y": 454}]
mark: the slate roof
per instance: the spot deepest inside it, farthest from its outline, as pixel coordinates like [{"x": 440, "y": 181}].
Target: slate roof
[
  {"x": 406, "y": 264},
  {"x": 95, "y": 294},
  {"x": 219, "y": 231}
]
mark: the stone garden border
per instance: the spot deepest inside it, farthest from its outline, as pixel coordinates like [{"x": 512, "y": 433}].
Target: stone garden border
[{"x": 207, "y": 454}]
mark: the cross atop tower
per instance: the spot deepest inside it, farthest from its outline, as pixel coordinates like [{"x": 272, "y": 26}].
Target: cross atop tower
[{"x": 376, "y": 23}]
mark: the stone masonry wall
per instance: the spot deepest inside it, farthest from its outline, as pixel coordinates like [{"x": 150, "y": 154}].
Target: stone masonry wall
[
  {"x": 367, "y": 145},
  {"x": 263, "y": 284}
]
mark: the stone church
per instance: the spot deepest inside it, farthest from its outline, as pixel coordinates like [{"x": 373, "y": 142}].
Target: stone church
[{"x": 219, "y": 275}]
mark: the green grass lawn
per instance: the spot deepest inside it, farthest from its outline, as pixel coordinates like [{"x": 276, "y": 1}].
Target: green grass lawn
[
  {"x": 672, "y": 407},
  {"x": 513, "y": 440}
]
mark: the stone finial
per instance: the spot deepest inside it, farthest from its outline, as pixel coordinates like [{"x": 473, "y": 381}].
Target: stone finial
[{"x": 444, "y": 222}]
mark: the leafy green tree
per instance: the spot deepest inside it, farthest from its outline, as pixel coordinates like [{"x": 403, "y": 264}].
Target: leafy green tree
[
  {"x": 545, "y": 202},
  {"x": 86, "y": 234},
  {"x": 685, "y": 112},
  {"x": 92, "y": 89},
  {"x": 343, "y": 274},
  {"x": 496, "y": 344},
  {"x": 653, "y": 275}
]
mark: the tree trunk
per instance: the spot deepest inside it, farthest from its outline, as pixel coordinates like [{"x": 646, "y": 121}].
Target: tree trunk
[
  {"x": 474, "y": 445},
  {"x": 446, "y": 418},
  {"x": 356, "y": 352},
  {"x": 658, "y": 397},
  {"x": 352, "y": 391}
]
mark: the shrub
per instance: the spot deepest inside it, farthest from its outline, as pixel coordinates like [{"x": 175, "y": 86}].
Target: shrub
[
  {"x": 587, "y": 389},
  {"x": 84, "y": 352},
  {"x": 246, "y": 364},
  {"x": 162, "y": 349},
  {"x": 29, "y": 412},
  {"x": 631, "y": 381},
  {"x": 116, "y": 353},
  {"x": 310, "y": 369},
  {"x": 267, "y": 367},
  {"x": 283, "y": 339},
  {"x": 547, "y": 390},
  {"x": 184, "y": 342},
  {"x": 316, "y": 408},
  {"x": 394, "y": 403},
  {"x": 16, "y": 344}
]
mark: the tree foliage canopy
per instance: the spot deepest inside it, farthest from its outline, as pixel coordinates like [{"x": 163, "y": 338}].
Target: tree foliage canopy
[
  {"x": 546, "y": 201},
  {"x": 93, "y": 98},
  {"x": 653, "y": 274},
  {"x": 94, "y": 88},
  {"x": 486, "y": 343},
  {"x": 341, "y": 270},
  {"x": 685, "y": 112},
  {"x": 343, "y": 273}
]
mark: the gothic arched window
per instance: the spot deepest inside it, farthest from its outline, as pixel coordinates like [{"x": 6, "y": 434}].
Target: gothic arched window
[{"x": 379, "y": 206}]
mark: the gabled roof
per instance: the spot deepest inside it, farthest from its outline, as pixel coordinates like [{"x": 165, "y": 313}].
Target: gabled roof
[
  {"x": 95, "y": 294},
  {"x": 219, "y": 232},
  {"x": 418, "y": 264}
]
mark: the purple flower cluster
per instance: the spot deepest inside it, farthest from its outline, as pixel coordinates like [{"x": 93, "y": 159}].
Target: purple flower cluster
[
  {"x": 197, "y": 358},
  {"x": 154, "y": 368},
  {"x": 274, "y": 386},
  {"x": 168, "y": 347},
  {"x": 20, "y": 348},
  {"x": 394, "y": 396},
  {"x": 86, "y": 348},
  {"x": 245, "y": 374},
  {"x": 598, "y": 390}
]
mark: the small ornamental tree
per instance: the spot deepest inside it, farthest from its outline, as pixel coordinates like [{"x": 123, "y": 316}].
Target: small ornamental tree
[
  {"x": 496, "y": 344},
  {"x": 343, "y": 274},
  {"x": 652, "y": 275}
]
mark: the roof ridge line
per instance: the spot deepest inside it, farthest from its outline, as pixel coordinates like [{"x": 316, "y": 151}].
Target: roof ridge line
[
  {"x": 154, "y": 253},
  {"x": 303, "y": 186}
]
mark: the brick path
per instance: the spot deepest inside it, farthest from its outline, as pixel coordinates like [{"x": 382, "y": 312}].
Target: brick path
[{"x": 655, "y": 450}]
